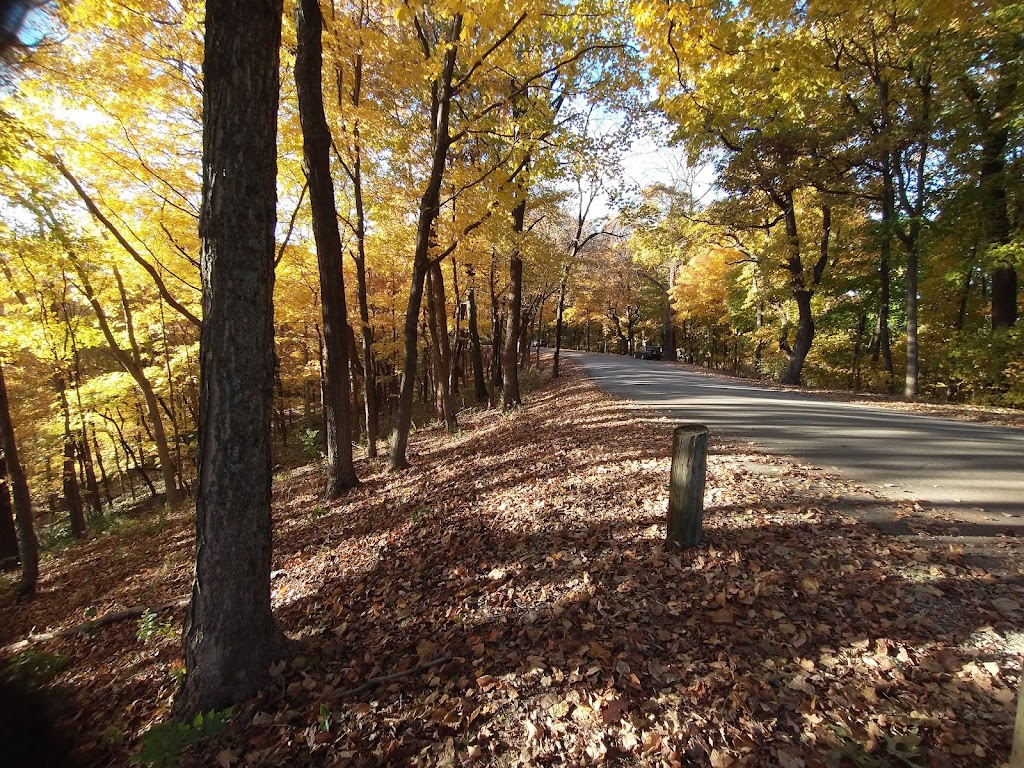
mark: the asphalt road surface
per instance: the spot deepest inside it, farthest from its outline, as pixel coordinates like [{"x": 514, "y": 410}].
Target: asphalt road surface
[{"x": 960, "y": 466}]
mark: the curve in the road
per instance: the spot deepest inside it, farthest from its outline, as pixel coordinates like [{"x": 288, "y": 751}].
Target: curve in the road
[{"x": 951, "y": 464}]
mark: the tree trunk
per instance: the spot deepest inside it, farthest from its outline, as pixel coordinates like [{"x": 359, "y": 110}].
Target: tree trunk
[
  {"x": 8, "y": 533},
  {"x": 316, "y": 147},
  {"x": 559, "y": 321},
  {"x": 91, "y": 485},
  {"x": 476, "y": 353},
  {"x": 407, "y": 387},
  {"x": 1004, "y": 297},
  {"x": 510, "y": 396},
  {"x": 104, "y": 479},
  {"x": 497, "y": 349},
  {"x": 913, "y": 370},
  {"x": 28, "y": 545},
  {"x": 370, "y": 399},
  {"x": 443, "y": 365},
  {"x": 802, "y": 296},
  {"x": 69, "y": 478},
  {"x": 668, "y": 347},
  {"x": 881, "y": 346},
  {"x": 230, "y": 635},
  {"x": 430, "y": 203}
]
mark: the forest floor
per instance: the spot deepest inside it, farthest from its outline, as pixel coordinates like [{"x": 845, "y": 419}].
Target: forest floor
[{"x": 525, "y": 555}]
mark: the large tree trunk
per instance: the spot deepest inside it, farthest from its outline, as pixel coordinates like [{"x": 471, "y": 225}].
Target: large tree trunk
[
  {"x": 230, "y": 635},
  {"x": 28, "y": 545},
  {"x": 804, "y": 338},
  {"x": 801, "y": 294},
  {"x": 510, "y": 396},
  {"x": 1004, "y": 297},
  {"x": 316, "y": 147}
]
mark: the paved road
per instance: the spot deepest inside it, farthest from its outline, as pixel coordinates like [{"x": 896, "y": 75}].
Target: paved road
[{"x": 958, "y": 466}]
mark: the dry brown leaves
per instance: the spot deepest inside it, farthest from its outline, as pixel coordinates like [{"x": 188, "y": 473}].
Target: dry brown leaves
[{"x": 530, "y": 548}]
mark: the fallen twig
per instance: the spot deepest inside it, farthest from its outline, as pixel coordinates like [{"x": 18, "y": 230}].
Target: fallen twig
[
  {"x": 88, "y": 626},
  {"x": 375, "y": 681}
]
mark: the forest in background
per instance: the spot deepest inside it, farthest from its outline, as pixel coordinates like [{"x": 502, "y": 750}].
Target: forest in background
[
  {"x": 370, "y": 219},
  {"x": 863, "y": 230}
]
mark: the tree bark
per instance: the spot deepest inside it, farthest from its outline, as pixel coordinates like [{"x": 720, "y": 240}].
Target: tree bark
[
  {"x": 8, "y": 533},
  {"x": 497, "y": 348},
  {"x": 910, "y": 388},
  {"x": 559, "y": 320},
  {"x": 430, "y": 202},
  {"x": 510, "y": 396},
  {"x": 69, "y": 478},
  {"x": 370, "y": 399},
  {"x": 881, "y": 343},
  {"x": 104, "y": 478},
  {"x": 230, "y": 635},
  {"x": 668, "y": 347},
  {"x": 480, "y": 394},
  {"x": 28, "y": 545},
  {"x": 316, "y": 147},
  {"x": 438, "y": 323}
]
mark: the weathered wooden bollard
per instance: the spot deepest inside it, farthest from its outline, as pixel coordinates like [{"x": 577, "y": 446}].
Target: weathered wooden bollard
[
  {"x": 686, "y": 491},
  {"x": 1017, "y": 750}
]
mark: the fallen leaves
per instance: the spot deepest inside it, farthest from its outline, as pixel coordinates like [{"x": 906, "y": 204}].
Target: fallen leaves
[{"x": 530, "y": 551}]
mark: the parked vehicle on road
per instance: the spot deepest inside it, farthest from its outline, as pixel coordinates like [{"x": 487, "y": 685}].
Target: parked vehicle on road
[{"x": 648, "y": 353}]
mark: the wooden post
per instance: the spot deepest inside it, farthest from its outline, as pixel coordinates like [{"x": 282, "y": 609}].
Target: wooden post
[
  {"x": 1017, "y": 751},
  {"x": 686, "y": 494}
]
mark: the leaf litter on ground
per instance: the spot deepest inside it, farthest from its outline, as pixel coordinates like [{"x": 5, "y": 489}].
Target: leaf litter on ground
[{"x": 529, "y": 548}]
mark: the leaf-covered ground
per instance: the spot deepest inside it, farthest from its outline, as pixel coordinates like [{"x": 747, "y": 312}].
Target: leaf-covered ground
[{"x": 529, "y": 549}]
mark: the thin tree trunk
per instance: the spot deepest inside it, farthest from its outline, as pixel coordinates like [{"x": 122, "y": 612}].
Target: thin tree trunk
[
  {"x": 510, "y": 396},
  {"x": 370, "y": 398},
  {"x": 668, "y": 348},
  {"x": 28, "y": 545},
  {"x": 430, "y": 203},
  {"x": 8, "y": 533},
  {"x": 497, "y": 349},
  {"x": 559, "y": 320},
  {"x": 913, "y": 366},
  {"x": 438, "y": 323},
  {"x": 104, "y": 479},
  {"x": 69, "y": 478},
  {"x": 91, "y": 485},
  {"x": 476, "y": 352},
  {"x": 316, "y": 147},
  {"x": 133, "y": 365}
]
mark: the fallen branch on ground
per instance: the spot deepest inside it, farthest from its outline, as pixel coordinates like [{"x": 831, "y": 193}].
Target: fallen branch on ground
[
  {"x": 88, "y": 626},
  {"x": 373, "y": 682}
]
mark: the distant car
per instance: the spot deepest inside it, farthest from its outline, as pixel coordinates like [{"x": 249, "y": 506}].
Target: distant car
[{"x": 648, "y": 353}]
